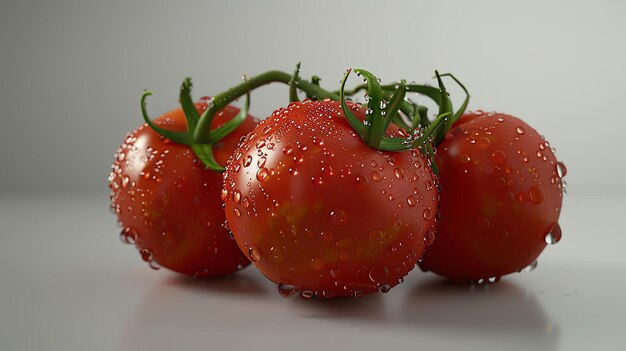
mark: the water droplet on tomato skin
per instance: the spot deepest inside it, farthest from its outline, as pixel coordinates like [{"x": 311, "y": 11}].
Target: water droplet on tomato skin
[
  {"x": 248, "y": 161},
  {"x": 554, "y": 235},
  {"x": 561, "y": 170},
  {"x": 520, "y": 130},
  {"x": 338, "y": 217},
  {"x": 498, "y": 157},
  {"x": 384, "y": 288},
  {"x": 317, "y": 264},
  {"x": 535, "y": 195},
  {"x": 254, "y": 253},
  {"x": 378, "y": 274},
  {"x": 530, "y": 267},
  {"x": 128, "y": 236},
  {"x": 288, "y": 150},
  {"x": 361, "y": 182},
  {"x": 286, "y": 290},
  {"x": 428, "y": 213},
  {"x": 306, "y": 294},
  {"x": 154, "y": 264},
  {"x": 261, "y": 174},
  {"x": 398, "y": 173},
  {"x": 411, "y": 200},
  {"x": 429, "y": 238},
  {"x": 376, "y": 176}
]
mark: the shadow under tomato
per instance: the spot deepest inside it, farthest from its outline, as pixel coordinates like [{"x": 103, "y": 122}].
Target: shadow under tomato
[
  {"x": 239, "y": 283},
  {"x": 367, "y": 308},
  {"x": 495, "y": 317}
]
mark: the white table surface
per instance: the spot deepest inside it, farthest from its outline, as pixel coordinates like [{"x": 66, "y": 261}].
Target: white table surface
[{"x": 67, "y": 283}]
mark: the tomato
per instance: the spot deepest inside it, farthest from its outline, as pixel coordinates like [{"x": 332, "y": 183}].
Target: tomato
[
  {"x": 169, "y": 205},
  {"x": 501, "y": 197},
  {"x": 321, "y": 213}
]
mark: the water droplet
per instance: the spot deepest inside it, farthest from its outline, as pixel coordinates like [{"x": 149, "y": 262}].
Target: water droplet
[
  {"x": 338, "y": 217},
  {"x": 125, "y": 181},
  {"x": 378, "y": 273},
  {"x": 376, "y": 176},
  {"x": 317, "y": 141},
  {"x": 520, "y": 130},
  {"x": 247, "y": 161},
  {"x": 335, "y": 273},
  {"x": 128, "y": 236},
  {"x": 384, "y": 288},
  {"x": 530, "y": 267},
  {"x": 154, "y": 264},
  {"x": 398, "y": 173},
  {"x": 237, "y": 212},
  {"x": 498, "y": 157},
  {"x": 306, "y": 294},
  {"x": 261, "y": 162},
  {"x": 397, "y": 247},
  {"x": 484, "y": 142},
  {"x": 146, "y": 255},
  {"x": 286, "y": 290},
  {"x": 262, "y": 174},
  {"x": 411, "y": 200},
  {"x": 260, "y": 143},
  {"x": 493, "y": 279},
  {"x": 254, "y": 253},
  {"x": 429, "y": 239},
  {"x": 288, "y": 150},
  {"x": 554, "y": 235},
  {"x": 561, "y": 170},
  {"x": 465, "y": 158},
  {"x": 236, "y": 196},
  {"x": 428, "y": 213},
  {"x": 535, "y": 195},
  {"x": 361, "y": 182},
  {"x": 317, "y": 263}
]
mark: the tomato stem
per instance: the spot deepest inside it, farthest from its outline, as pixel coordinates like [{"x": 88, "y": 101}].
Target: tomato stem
[
  {"x": 202, "y": 133},
  {"x": 293, "y": 93}
]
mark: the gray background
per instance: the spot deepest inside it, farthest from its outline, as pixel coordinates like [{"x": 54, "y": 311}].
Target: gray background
[{"x": 71, "y": 72}]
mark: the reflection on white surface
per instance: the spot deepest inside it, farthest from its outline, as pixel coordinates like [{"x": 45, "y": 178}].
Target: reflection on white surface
[
  {"x": 67, "y": 283},
  {"x": 430, "y": 311}
]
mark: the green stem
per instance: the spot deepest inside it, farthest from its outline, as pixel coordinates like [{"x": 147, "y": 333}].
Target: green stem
[{"x": 203, "y": 130}]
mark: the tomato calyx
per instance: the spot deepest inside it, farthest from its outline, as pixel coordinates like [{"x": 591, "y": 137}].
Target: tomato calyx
[
  {"x": 204, "y": 151},
  {"x": 383, "y": 106},
  {"x": 199, "y": 136}
]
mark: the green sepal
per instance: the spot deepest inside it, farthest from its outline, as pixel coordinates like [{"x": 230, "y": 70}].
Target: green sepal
[
  {"x": 177, "y": 137},
  {"x": 357, "y": 125},
  {"x": 394, "y": 103},
  {"x": 205, "y": 154},
  {"x": 189, "y": 108},
  {"x": 420, "y": 116},
  {"x": 463, "y": 107},
  {"x": 374, "y": 119}
]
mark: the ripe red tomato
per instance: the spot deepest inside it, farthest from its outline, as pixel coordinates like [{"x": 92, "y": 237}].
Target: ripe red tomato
[
  {"x": 500, "y": 200},
  {"x": 320, "y": 212},
  {"x": 169, "y": 205}
]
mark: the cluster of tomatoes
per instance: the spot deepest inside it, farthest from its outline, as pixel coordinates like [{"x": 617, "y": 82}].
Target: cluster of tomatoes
[{"x": 329, "y": 197}]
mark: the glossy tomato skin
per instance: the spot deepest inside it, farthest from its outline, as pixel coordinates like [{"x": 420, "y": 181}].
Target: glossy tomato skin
[
  {"x": 501, "y": 195},
  {"x": 320, "y": 212},
  {"x": 169, "y": 205}
]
